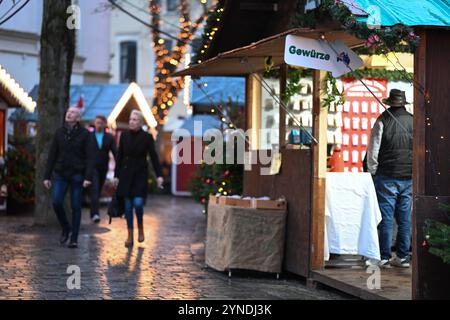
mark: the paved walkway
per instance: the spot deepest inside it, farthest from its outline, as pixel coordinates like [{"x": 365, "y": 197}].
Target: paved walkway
[{"x": 168, "y": 265}]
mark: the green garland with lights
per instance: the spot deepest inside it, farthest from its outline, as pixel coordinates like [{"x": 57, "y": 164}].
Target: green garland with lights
[
  {"x": 333, "y": 95},
  {"x": 398, "y": 38},
  {"x": 210, "y": 30}
]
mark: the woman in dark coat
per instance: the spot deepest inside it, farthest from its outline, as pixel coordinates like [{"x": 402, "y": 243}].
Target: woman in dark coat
[{"x": 131, "y": 173}]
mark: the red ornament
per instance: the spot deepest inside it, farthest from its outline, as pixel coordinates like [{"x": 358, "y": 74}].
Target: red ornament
[
  {"x": 208, "y": 181},
  {"x": 425, "y": 244},
  {"x": 203, "y": 200},
  {"x": 226, "y": 173}
]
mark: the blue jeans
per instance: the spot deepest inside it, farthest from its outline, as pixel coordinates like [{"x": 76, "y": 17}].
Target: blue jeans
[
  {"x": 395, "y": 199},
  {"x": 138, "y": 204},
  {"x": 59, "y": 190}
]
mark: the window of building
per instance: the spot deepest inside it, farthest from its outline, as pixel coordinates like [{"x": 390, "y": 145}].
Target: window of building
[
  {"x": 355, "y": 156},
  {"x": 356, "y": 123},
  {"x": 128, "y": 63},
  {"x": 355, "y": 105},
  {"x": 364, "y": 140},
  {"x": 172, "y": 5},
  {"x": 346, "y": 139},
  {"x": 374, "y": 107},
  {"x": 355, "y": 140}
]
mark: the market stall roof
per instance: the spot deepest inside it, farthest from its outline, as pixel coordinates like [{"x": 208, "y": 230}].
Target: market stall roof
[
  {"x": 13, "y": 94},
  {"x": 409, "y": 12},
  {"x": 230, "y": 63},
  {"x": 218, "y": 90},
  {"x": 206, "y": 121},
  {"x": 98, "y": 99}
]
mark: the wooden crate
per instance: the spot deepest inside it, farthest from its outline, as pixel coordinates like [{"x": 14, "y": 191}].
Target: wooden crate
[
  {"x": 279, "y": 204},
  {"x": 269, "y": 204},
  {"x": 213, "y": 199}
]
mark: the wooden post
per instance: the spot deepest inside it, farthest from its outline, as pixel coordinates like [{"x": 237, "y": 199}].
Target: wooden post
[
  {"x": 418, "y": 149},
  {"x": 319, "y": 169},
  {"x": 253, "y": 106},
  {"x": 282, "y": 129}
]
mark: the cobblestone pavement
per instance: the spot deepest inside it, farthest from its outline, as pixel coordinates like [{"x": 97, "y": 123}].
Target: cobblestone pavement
[{"x": 168, "y": 265}]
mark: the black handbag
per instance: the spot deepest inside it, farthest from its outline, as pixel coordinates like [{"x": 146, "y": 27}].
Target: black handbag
[{"x": 116, "y": 208}]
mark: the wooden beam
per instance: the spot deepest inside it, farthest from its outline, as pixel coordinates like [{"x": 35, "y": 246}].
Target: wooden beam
[
  {"x": 319, "y": 169},
  {"x": 282, "y": 113},
  {"x": 419, "y": 159},
  {"x": 253, "y": 109}
]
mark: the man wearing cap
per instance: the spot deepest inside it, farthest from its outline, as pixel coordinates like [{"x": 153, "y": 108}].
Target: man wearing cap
[{"x": 389, "y": 160}]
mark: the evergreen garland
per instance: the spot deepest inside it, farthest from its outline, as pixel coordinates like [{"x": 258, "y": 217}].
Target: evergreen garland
[
  {"x": 398, "y": 38},
  {"x": 390, "y": 75},
  {"x": 437, "y": 236},
  {"x": 210, "y": 30}
]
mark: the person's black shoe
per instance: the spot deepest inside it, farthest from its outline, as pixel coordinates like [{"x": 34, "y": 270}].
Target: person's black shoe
[
  {"x": 72, "y": 245},
  {"x": 96, "y": 218},
  {"x": 64, "y": 236}
]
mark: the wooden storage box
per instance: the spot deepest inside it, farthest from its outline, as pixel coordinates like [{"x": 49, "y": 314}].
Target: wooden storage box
[{"x": 279, "y": 204}]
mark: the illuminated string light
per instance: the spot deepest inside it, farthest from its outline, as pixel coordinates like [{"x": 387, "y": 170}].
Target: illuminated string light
[{"x": 166, "y": 88}]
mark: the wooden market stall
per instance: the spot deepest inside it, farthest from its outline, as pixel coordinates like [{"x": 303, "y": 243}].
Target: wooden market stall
[
  {"x": 302, "y": 177},
  {"x": 303, "y": 168},
  {"x": 12, "y": 96}
]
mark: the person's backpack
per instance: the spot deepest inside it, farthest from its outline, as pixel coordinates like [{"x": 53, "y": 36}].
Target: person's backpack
[{"x": 116, "y": 208}]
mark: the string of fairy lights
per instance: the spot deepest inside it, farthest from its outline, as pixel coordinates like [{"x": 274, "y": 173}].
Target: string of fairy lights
[
  {"x": 166, "y": 87},
  {"x": 228, "y": 122},
  {"x": 213, "y": 23},
  {"x": 224, "y": 118}
]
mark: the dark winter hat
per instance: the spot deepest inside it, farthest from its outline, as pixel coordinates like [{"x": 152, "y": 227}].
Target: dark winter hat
[{"x": 397, "y": 98}]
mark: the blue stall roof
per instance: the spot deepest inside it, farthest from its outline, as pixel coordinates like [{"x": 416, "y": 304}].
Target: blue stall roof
[
  {"x": 207, "y": 122},
  {"x": 219, "y": 90},
  {"x": 408, "y": 12},
  {"x": 99, "y": 99}
]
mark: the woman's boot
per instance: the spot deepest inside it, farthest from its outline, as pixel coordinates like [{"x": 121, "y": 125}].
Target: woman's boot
[
  {"x": 141, "y": 236},
  {"x": 129, "y": 242}
]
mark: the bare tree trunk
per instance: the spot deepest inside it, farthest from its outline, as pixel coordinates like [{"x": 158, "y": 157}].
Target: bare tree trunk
[{"x": 57, "y": 55}]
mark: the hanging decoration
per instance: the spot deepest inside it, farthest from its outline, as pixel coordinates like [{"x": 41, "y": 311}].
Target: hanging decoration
[
  {"x": 391, "y": 75},
  {"x": 333, "y": 95}
]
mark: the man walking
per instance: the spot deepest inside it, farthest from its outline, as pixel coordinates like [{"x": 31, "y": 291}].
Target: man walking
[
  {"x": 70, "y": 162},
  {"x": 104, "y": 143},
  {"x": 389, "y": 159}
]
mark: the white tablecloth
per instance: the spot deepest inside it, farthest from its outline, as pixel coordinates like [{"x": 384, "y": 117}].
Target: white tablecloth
[{"x": 351, "y": 215}]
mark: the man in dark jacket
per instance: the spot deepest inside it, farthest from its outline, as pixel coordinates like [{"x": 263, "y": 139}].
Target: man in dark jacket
[
  {"x": 70, "y": 161},
  {"x": 389, "y": 159},
  {"x": 104, "y": 143}
]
